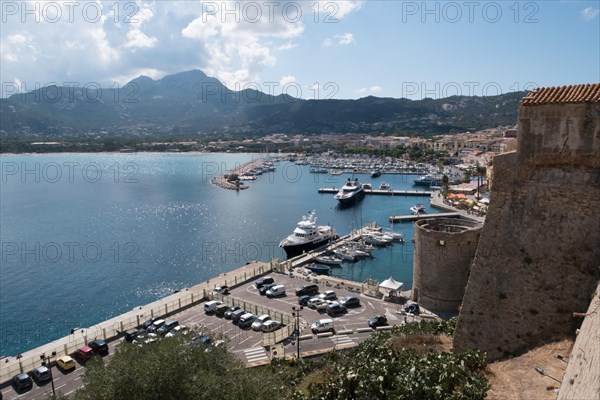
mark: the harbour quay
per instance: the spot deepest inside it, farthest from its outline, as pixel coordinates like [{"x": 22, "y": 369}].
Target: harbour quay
[
  {"x": 223, "y": 181},
  {"x": 251, "y": 347},
  {"x": 381, "y": 192}
]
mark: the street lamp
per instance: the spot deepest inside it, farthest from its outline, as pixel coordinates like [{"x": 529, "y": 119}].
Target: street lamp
[
  {"x": 46, "y": 361},
  {"x": 296, "y": 313}
]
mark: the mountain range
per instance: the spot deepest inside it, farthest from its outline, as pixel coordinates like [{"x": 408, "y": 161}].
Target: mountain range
[{"x": 193, "y": 103}]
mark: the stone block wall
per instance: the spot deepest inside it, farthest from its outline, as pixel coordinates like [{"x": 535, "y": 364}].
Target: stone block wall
[
  {"x": 444, "y": 251},
  {"x": 538, "y": 258}
]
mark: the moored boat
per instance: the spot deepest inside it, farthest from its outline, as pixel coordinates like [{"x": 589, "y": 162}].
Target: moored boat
[
  {"x": 318, "y": 268},
  {"x": 350, "y": 192},
  {"x": 329, "y": 260},
  {"x": 307, "y": 236},
  {"x": 418, "y": 209}
]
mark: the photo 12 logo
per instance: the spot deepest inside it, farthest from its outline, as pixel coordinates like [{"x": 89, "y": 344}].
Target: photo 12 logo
[
  {"x": 453, "y": 12},
  {"x": 68, "y": 172},
  {"x": 441, "y": 90},
  {"x": 70, "y": 92},
  {"x": 68, "y": 252},
  {"x": 53, "y": 12}
]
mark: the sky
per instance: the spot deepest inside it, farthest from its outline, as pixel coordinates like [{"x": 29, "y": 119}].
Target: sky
[{"x": 314, "y": 49}]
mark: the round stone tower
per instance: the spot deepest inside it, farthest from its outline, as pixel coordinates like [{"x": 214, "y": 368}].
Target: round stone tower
[{"x": 444, "y": 252}]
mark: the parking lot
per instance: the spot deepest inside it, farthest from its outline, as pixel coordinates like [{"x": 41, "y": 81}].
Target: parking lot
[{"x": 248, "y": 344}]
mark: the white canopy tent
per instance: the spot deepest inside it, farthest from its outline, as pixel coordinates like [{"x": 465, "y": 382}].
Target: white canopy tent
[{"x": 390, "y": 287}]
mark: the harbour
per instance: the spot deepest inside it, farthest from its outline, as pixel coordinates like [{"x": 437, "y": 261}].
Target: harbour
[{"x": 181, "y": 230}]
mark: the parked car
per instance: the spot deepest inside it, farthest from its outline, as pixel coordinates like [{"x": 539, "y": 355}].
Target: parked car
[
  {"x": 83, "y": 354},
  {"x": 314, "y": 302},
  {"x": 167, "y": 326},
  {"x": 413, "y": 309},
  {"x": 378, "y": 320},
  {"x": 230, "y": 310},
  {"x": 259, "y": 321},
  {"x": 328, "y": 295},
  {"x": 350, "y": 301},
  {"x": 66, "y": 363},
  {"x": 221, "y": 310},
  {"x": 99, "y": 346},
  {"x": 22, "y": 382},
  {"x": 224, "y": 290},
  {"x": 302, "y": 300},
  {"x": 334, "y": 309},
  {"x": 178, "y": 330},
  {"x": 154, "y": 327},
  {"x": 131, "y": 334},
  {"x": 246, "y": 320},
  {"x": 41, "y": 374},
  {"x": 211, "y": 306},
  {"x": 264, "y": 281},
  {"x": 264, "y": 288},
  {"x": 307, "y": 290},
  {"x": 236, "y": 315},
  {"x": 322, "y": 325},
  {"x": 202, "y": 339},
  {"x": 276, "y": 291},
  {"x": 270, "y": 326},
  {"x": 148, "y": 323}
]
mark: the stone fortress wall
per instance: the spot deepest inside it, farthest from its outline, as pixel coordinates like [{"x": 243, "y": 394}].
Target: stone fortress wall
[
  {"x": 444, "y": 252},
  {"x": 538, "y": 258}
]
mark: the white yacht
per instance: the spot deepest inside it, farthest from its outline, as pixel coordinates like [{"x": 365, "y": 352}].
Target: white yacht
[
  {"x": 307, "y": 236},
  {"x": 350, "y": 192},
  {"x": 418, "y": 209}
]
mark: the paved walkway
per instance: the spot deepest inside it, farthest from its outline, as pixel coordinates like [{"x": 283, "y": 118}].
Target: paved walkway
[{"x": 437, "y": 201}]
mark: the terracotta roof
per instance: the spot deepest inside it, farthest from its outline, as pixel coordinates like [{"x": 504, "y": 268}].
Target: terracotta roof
[{"x": 588, "y": 93}]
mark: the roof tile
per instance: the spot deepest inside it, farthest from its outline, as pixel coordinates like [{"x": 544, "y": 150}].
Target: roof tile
[{"x": 587, "y": 93}]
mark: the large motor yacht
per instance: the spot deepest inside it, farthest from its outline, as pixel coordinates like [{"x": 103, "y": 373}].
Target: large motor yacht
[
  {"x": 350, "y": 192},
  {"x": 307, "y": 236}
]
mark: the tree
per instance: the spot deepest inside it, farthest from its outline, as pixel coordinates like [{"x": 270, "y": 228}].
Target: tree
[{"x": 172, "y": 368}]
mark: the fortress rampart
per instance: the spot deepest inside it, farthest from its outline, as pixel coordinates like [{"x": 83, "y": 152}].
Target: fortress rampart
[{"x": 538, "y": 258}]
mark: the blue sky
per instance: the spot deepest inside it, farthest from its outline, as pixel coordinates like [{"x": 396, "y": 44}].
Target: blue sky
[{"x": 311, "y": 49}]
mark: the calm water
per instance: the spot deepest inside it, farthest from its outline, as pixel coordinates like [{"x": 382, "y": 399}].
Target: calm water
[{"x": 88, "y": 236}]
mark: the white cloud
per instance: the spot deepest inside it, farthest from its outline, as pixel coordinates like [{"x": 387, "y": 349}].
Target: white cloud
[
  {"x": 345, "y": 39},
  {"x": 138, "y": 39},
  {"x": 334, "y": 10},
  {"x": 287, "y": 46},
  {"x": 342, "y": 40},
  {"x": 372, "y": 89},
  {"x": 287, "y": 79},
  {"x": 157, "y": 38},
  {"x": 590, "y": 13}
]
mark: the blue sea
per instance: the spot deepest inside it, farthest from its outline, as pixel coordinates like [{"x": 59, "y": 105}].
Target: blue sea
[{"x": 86, "y": 237}]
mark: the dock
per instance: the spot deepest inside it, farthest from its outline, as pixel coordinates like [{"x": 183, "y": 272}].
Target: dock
[
  {"x": 222, "y": 181},
  {"x": 383, "y": 192},
  {"x": 416, "y": 217}
]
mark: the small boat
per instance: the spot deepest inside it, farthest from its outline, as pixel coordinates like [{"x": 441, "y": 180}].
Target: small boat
[
  {"x": 418, "y": 209},
  {"x": 329, "y": 260},
  {"x": 335, "y": 172},
  {"x": 399, "y": 236},
  {"x": 344, "y": 255},
  {"x": 384, "y": 186},
  {"x": 375, "y": 173},
  {"x": 428, "y": 180},
  {"x": 318, "y": 268},
  {"x": 367, "y": 185}
]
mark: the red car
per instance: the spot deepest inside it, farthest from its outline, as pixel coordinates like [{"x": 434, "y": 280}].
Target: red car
[{"x": 84, "y": 353}]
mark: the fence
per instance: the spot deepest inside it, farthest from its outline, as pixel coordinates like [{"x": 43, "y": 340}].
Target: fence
[{"x": 109, "y": 330}]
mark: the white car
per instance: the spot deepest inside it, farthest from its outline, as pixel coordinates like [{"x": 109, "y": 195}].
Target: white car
[
  {"x": 270, "y": 326},
  {"x": 315, "y": 302},
  {"x": 328, "y": 295},
  {"x": 258, "y": 322},
  {"x": 180, "y": 329}
]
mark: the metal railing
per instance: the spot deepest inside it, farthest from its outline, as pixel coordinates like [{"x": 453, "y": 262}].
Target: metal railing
[{"x": 111, "y": 329}]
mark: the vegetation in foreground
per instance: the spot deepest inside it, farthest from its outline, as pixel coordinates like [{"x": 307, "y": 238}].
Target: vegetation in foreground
[{"x": 406, "y": 362}]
